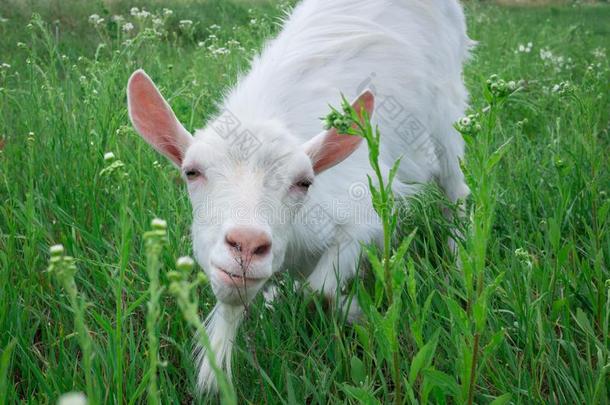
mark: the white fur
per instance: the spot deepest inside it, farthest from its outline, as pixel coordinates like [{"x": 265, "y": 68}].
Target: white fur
[
  {"x": 407, "y": 51},
  {"x": 220, "y": 326}
]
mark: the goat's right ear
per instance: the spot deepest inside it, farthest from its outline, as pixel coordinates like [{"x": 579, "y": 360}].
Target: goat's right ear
[
  {"x": 330, "y": 148},
  {"x": 154, "y": 119}
]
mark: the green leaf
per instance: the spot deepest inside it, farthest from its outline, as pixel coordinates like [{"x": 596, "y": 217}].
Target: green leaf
[
  {"x": 5, "y": 361},
  {"x": 423, "y": 358},
  {"x": 399, "y": 276},
  {"x": 376, "y": 265},
  {"x": 497, "y": 155},
  {"x": 441, "y": 380},
  {"x": 412, "y": 283},
  {"x": 493, "y": 345},
  {"x": 557, "y": 306},
  {"x": 480, "y": 306},
  {"x": 562, "y": 255},
  {"x": 404, "y": 245},
  {"x": 360, "y": 394},
  {"x": 290, "y": 390},
  {"x": 389, "y": 323},
  {"x": 358, "y": 371},
  {"x": 502, "y": 399},
  {"x": 393, "y": 171},
  {"x": 364, "y": 299},
  {"x": 427, "y": 304},
  {"x": 602, "y": 213},
  {"x": 458, "y": 315},
  {"x": 363, "y": 337},
  {"x": 583, "y": 322}
]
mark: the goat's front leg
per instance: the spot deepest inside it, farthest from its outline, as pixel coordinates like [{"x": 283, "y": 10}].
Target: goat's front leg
[{"x": 336, "y": 266}]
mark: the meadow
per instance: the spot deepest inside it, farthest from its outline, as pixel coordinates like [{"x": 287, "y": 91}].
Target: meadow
[{"x": 533, "y": 329}]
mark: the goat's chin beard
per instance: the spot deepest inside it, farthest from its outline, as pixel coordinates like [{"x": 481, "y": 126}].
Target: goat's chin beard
[{"x": 236, "y": 296}]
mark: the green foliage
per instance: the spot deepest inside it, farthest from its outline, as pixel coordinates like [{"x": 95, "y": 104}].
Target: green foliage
[{"x": 534, "y": 282}]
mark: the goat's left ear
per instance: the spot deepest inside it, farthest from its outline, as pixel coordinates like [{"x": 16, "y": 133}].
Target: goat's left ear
[
  {"x": 154, "y": 119},
  {"x": 330, "y": 148}
]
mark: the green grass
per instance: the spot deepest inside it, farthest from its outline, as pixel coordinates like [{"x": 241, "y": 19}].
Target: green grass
[{"x": 62, "y": 106}]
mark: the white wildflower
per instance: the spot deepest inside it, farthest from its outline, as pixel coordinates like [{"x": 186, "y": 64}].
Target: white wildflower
[
  {"x": 546, "y": 54},
  {"x": 561, "y": 88},
  {"x": 5, "y": 65},
  {"x": 185, "y": 24},
  {"x": 142, "y": 14},
  {"x": 128, "y": 27},
  {"x": 72, "y": 398},
  {"x": 524, "y": 48},
  {"x": 558, "y": 62},
  {"x": 134, "y": 11},
  {"x": 118, "y": 19},
  {"x": 214, "y": 27},
  {"x": 167, "y": 12},
  {"x": 599, "y": 53},
  {"x": 108, "y": 156},
  {"x": 95, "y": 19},
  {"x": 524, "y": 257}
]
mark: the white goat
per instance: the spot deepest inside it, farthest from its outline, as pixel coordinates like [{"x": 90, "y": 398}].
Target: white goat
[{"x": 260, "y": 181}]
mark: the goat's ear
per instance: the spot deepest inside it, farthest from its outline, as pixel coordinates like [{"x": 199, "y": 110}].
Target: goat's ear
[
  {"x": 329, "y": 148},
  {"x": 154, "y": 119}
]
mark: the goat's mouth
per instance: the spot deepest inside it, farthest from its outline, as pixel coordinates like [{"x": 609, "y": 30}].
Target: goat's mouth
[{"x": 236, "y": 280}]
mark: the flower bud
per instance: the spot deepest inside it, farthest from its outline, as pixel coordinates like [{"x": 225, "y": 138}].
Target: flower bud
[
  {"x": 185, "y": 263},
  {"x": 56, "y": 250},
  {"x": 158, "y": 224}
]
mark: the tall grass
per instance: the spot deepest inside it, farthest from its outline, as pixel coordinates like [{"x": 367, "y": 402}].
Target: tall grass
[{"x": 526, "y": 319}]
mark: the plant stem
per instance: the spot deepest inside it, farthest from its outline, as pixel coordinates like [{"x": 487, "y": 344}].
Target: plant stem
[
  {"x": 154, "y": 242},
  {"x": 473, "y": 368},
  {"x": 397, "y": 379}
]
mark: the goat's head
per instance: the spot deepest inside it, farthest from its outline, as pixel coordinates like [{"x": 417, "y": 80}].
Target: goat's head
[{"x": 246, "y": 182}]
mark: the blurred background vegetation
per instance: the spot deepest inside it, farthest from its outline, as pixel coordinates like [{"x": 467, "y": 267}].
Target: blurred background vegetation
[{"x": 62, "y": 108}]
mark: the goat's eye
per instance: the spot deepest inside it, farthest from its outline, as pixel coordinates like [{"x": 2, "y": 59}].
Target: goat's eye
[
  {"x": 192, "y": 174},
  {"x": 302, "y": 184}
]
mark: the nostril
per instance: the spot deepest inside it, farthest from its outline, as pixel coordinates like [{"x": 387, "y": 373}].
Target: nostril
[
  {"x": 262, "y": 249},
  {"x": 232, "y": 243}
]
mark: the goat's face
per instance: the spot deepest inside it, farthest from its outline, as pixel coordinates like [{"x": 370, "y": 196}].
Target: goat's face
[
  {"x": 246, "y": 186},
  {"x": 244, "y": 202}
]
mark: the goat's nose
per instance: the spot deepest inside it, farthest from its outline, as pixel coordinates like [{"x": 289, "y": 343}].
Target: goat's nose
[{"x": 249, "y": 243}]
